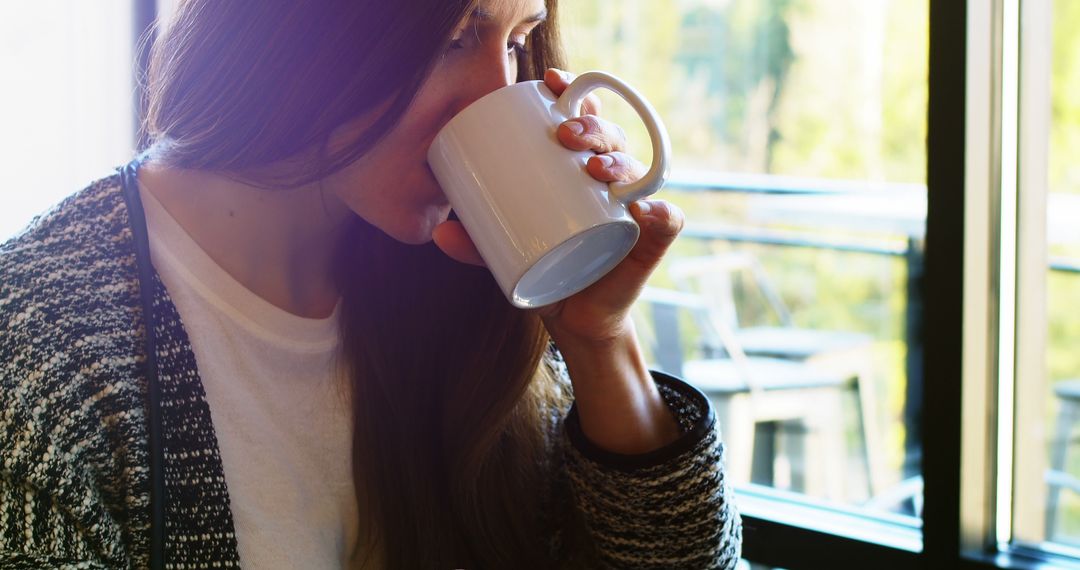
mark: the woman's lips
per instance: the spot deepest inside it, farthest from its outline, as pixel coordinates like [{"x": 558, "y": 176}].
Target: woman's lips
[{"x": 442, "y": 199}]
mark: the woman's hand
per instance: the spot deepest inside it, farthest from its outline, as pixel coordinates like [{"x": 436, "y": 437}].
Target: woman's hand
[
  {"x": 599, "y": 314},
  {"x": 619, "y": 406}
]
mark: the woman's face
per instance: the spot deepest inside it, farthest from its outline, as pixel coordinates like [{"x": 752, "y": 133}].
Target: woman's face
[{"x": 392, "y": 186}]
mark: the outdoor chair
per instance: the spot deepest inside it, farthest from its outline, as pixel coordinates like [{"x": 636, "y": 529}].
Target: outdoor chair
[
  {"x": 714, "y": 278},
  {"x": 758, "y": 399},
  {"x": 842, "y": 353},
  {"x": 1058, "y": 476}
]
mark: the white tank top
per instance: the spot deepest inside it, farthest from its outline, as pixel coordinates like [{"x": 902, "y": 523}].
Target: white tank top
[{"x": 279, "y": 410}]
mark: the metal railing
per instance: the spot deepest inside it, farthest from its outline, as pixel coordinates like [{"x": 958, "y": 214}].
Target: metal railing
[{"x": 907, "y": 245}]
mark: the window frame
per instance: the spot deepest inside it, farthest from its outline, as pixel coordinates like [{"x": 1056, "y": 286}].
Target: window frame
[
  {"x": 773, "y": 542},
  {"x": 965, "y": 289},
  {"x": 777, "y": 544}
]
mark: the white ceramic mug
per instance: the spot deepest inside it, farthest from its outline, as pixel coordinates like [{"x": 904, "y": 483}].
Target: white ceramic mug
[{"x": 544, "y": 226}]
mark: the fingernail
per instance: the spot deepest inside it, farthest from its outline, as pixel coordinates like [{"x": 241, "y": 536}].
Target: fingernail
[
  {"x": 643, "y": 208},
  {"x": 564, "y": 74},
  {"x": 575, "y": 127},
  {"x": 605, "y": 160}
]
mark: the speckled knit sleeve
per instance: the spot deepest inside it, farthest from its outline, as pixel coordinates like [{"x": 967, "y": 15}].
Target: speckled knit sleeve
[
  {"x": 72, "y": 483},
  {"x": 74, "y": 475},
  {"x": 670, "y": 508}
]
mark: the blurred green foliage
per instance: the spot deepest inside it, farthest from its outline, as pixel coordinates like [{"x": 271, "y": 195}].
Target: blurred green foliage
[
  {"x": 816, "y": 89},
  {"x": 794, "y": 87},
  {"x": 1065, "y": 99},
  {"x": 1063, "y": 295}
]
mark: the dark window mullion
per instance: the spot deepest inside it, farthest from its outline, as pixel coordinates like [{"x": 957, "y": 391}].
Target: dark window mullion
[{"x": 943, "y": 285}]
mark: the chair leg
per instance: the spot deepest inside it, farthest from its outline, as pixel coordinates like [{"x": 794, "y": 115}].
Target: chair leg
[
  {"x": 823, "y": 461},
  {"x": 800, "y": 448},
  {"x": 762, "y": 471},
  {"x": 834, "y": 464},
  {"x": 858, "y": 365},
  {"x": 1067, "y": 416},
  {"x": 869, "y": 434},
  {"x": 873, "y": 443},
  {"x": 736, "y": 420}
]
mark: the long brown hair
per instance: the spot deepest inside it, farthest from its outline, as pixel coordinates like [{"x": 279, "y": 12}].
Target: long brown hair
[{"x": 449, "y": 396}]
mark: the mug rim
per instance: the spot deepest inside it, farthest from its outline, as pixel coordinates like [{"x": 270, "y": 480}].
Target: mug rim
[{"x": 548, "y": 298}]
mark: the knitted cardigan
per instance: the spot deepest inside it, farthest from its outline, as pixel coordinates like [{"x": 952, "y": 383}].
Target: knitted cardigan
[{"x": 75, "y": 480}]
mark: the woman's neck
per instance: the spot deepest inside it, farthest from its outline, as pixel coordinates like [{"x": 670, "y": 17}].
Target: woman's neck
[{"x": 277, "y": 243}]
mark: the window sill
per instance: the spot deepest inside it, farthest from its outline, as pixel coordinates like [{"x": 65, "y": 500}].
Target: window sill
[
  {"x": 1043, "y": 556},
  {"x": 790, "y": 530}
]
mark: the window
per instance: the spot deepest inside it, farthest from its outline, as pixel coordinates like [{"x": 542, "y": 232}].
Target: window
[
  {"x": 1049, "y": 406},
  {"x": 798, "y": 130},
  {"x": 67, "y": 101},
  {"x": 1039, "y": 492},
  {"x": 792, "y": 298}
]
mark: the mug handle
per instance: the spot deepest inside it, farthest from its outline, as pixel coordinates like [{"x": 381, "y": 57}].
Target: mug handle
[{"x": 570, "y": 106}]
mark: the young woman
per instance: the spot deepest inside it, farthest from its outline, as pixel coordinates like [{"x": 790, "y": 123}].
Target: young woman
[{"x": 267, "y": 342}]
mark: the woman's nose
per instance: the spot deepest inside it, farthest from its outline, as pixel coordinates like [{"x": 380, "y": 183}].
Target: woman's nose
[{"x": 487, "y": 77}]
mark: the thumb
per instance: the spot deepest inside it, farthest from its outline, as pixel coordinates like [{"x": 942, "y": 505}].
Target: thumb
[{"x": 660, "y": 222}]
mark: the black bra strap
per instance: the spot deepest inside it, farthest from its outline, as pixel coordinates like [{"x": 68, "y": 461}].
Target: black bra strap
[{"x": 137, "y": 219}]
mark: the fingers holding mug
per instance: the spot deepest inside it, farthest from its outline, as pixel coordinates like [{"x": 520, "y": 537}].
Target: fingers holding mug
[
  {"x": 558, "y": 80},
  {"x": 589, "y": 132},
  {"x": 615, "y": 167}
]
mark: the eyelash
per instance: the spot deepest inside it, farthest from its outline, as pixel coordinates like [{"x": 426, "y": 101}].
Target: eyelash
[{"x": 518, "y": 48}]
